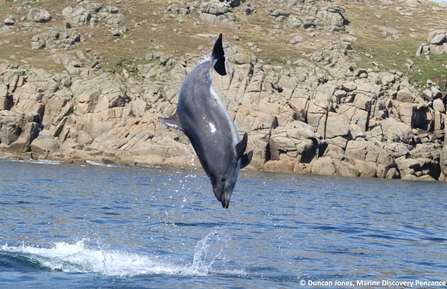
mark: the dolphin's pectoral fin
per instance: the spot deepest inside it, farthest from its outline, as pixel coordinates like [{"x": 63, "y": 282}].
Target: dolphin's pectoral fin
[
  {"x": 219, "y": 55},
  {"x": 241, "y": 146},
  {"x": 246, "y": 159},
  {"x": 173, "y": 122},
  {"x": 240, "y": 149}
]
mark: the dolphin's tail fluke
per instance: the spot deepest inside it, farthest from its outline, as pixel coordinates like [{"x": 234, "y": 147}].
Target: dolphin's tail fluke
[{"x": 219, "y": 55}]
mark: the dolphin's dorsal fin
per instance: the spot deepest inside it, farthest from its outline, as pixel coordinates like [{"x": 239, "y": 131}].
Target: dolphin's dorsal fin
[
  {"x": 173, "y": 122},
  {"x": 219, "y": 55},
  {"x": 241, "y": 146},
  {"x": 246, "y": 159}
]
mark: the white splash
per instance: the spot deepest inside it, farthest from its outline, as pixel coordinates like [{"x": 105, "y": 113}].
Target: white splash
[
  {"x": 31, "y": 161},
  {"x": 210, "y": 249},
  {"x": 100, "y": 164},
  {"x": 77, "y": 258}
]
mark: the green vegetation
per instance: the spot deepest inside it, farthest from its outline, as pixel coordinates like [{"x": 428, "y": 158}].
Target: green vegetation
[
  {"x": 396, "y": 52},
  {"x": 429, "y": 69},
  {"x": 387, "y": 50},
  {"x": 154, "y": 29}
]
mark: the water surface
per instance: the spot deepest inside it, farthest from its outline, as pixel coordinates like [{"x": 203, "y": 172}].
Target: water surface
[{"x": 139, "y": 227}]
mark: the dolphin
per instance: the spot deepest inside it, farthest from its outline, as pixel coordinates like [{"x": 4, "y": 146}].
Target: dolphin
[{"x": 203, "y": 118}]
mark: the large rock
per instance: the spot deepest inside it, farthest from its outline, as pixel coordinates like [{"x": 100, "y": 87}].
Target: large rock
[
  {"x": 18, "y": 130},
  {"x": 214, "y": 7},
  {"x": 77, "y": 15},
  {"x": 368, "y": 151},
  {"x": 443, "y": 160},
  {"x": 330, "y": 17},
  {"x": 437, "y": 43},
  {"x": 439, "y": 105},
  {"x": 366, "y": 169},
  {"x": 93, "y": 14},
  {"x": 310, "y": 117},
  {"x": 56, "y": 38},
  {"x": 405, "y": 95},
  {"x": 296, "y": 140},
  {"x": 6, "y": 101},
  {"x": 324, "y": 166},
  {"x": 336, "y": 126},
  {"x": 423, "y": 169},
  {"x": 39, "y": 15},
  {"x": 44, "y": 144},
  {"x": 12, "y": 125},
  {"x": 111, "y": 16},
  {"x": 437, "y": 37},
  {"x": 395, "y": 131}
]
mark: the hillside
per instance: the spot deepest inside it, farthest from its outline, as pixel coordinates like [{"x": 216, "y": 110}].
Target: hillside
[
  {"x": 382, "y": 33},
  {"x": 87, "y": 80}
]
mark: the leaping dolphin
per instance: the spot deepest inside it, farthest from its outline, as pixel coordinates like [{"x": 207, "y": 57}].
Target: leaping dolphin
[{"x": 202, "y": 116}]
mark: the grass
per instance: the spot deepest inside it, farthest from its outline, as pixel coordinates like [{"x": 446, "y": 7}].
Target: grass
[
  {"x": 19, "y": 47},
  {"x": 37, "y": 58},
  {"x": 396, "y": 54},
  {"x": 388, "y": 52},
  {"x": 255, "y": 29},
  {"x": 154, "y": 29},
  {"x": 429, "y": 69}
]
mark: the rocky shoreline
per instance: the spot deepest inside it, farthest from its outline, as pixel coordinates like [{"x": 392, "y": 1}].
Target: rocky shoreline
[{"x": 321, "y": 116}]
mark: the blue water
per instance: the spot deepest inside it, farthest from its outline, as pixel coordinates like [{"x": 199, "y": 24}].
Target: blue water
[{"x": 69, "y": 226}]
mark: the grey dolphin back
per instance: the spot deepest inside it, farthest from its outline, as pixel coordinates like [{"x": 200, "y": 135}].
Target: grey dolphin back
[{"x": 217, "y": 55}]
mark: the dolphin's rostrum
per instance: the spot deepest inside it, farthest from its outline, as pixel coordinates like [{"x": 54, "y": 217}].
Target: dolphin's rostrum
[{"x": 202, "y": 116}]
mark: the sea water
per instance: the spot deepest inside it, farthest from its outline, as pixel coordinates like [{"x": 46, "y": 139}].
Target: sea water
[{"x": 92, "y": 226}]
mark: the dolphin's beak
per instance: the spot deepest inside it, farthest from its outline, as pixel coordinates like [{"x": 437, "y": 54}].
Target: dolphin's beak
[
  {"x": 223, "y": 196},
  {"x": 225, "y": 199}
]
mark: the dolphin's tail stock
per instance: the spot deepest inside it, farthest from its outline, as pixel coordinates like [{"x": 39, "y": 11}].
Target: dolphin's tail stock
[{"x": 219, "y": 55}]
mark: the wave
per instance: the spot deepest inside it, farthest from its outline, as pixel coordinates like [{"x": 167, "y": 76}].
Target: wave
[
  {"x": 31, "y": 161},
  {"x": 113, "y": 165},
  {"x": 101, "y": 164},
  {"x": 78, "y": 258}
]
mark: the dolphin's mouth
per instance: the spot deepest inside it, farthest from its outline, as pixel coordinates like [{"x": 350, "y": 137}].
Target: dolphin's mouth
[
  {"x": 222, "y": 190},
  {"x": 225, "y": 200},
  {"x": 223, "y": 197}
]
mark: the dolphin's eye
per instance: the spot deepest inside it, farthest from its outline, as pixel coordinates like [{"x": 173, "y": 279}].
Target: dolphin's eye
[{"x": 223, "y": 180}]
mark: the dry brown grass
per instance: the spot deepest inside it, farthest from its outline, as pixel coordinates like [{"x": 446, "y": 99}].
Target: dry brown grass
[
  {"x": 396, "y": 54},
  {"x": 181, "y": 39}
]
